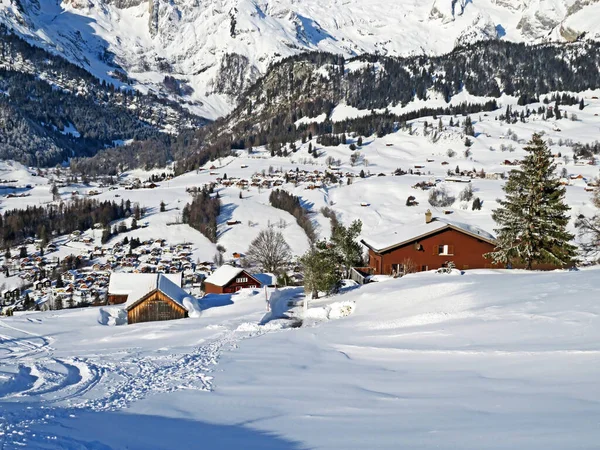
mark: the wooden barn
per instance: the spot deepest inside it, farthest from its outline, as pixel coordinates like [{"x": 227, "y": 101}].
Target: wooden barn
[
  {"x": 228, "y": 280},
  {"x": 166, "y": 301},
  {"x": 151, "y": 297},
  {"x": 430, "y": 245}
]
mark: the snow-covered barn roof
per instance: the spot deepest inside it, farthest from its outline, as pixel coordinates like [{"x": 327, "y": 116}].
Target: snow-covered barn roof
[
  {"x": 172, "y": 290},
  {"x": 404, "y": 234},
  {"x": 137, "y": 285},
  {"x": 124, "y": 283}
]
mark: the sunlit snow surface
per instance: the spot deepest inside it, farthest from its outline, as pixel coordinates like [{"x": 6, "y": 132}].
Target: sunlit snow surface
[{"x": 489, "y": 359}]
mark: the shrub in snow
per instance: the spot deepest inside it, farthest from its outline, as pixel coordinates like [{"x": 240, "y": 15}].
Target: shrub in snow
[
  {"x": 440, "y": 198},
  {"x": 340, "y": 309},
  {"x": 411, "y": 201}
]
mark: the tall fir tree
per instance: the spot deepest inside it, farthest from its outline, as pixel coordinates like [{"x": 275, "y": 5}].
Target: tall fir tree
[{"x": 532, "y": 219}]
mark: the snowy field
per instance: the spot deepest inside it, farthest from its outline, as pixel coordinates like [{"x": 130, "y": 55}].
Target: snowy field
[{"x": 490, "y": 359}]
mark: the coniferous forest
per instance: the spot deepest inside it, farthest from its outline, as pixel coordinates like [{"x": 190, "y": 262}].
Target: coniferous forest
[{"x": 63, "y": 218}]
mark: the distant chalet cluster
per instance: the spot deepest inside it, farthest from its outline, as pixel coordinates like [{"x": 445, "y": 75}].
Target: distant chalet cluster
[{"x": 273, "y": 178}]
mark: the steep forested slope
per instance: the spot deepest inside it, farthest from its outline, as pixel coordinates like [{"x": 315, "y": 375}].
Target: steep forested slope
[{"x": 51, "y": 110}]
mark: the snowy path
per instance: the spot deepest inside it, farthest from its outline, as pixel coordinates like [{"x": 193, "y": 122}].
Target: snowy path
[{"x": 65, "y": 381}]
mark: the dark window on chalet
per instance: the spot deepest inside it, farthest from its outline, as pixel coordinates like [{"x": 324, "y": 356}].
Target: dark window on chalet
[{"x": 444, "y": 250}]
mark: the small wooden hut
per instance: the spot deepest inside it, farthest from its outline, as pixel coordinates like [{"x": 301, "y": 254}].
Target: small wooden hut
[{"x": 150, "y": 297}]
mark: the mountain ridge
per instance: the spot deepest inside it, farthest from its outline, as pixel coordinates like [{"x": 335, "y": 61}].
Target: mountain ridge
[{"x": 216, "y": 49}]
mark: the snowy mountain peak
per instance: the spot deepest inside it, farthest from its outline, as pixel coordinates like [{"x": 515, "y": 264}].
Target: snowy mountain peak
[{"x": 216, "y": 48}]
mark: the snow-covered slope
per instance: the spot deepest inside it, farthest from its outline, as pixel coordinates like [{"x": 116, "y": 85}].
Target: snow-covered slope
[
  {"x": 214, "y": 49},
  {"x": 491, "y": 359}
]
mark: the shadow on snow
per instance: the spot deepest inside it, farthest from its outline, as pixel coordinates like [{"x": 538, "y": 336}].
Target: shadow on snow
[{"x": 35, "y": 426}]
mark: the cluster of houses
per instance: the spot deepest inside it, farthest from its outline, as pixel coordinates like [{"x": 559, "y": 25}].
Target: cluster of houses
[
  {"x": 277, "y": 177},
  {"x": 30, "y": 268},
  {"x": 75, "y": 288},
  {"x": 88, "y": 284},
  {"x": 157, "y": 256},
  {"x": 100, "y": 283},
  {"x": 35, "y": 273}
]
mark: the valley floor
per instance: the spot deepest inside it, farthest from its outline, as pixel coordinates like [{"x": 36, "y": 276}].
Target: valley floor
[{"x": 489, "y": 359}]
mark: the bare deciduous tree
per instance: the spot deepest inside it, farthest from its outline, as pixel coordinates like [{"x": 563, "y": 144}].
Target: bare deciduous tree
[
  {"x": 218, "y": 259},
  {"x": 408, "y": 266},
  {"x": 270, "y": 251}
]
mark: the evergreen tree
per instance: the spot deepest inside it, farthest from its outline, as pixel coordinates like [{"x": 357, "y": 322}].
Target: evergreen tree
[
  {"x": 55, "y": 193},
  {"x": 43, "y": 237},
  {"x": 163, "y": 206},
  {"x": 106, "y": 235},
  {"x": 581, "y": 104},
  {"x": 345, "y": 243},
  {"x": 28, "y": 303},
  {"x": 320, "y": 265},
  {"x": 58, "y": 303},
  {"x": 532, "y": 219},
  {"x": 468, "y": 128}
]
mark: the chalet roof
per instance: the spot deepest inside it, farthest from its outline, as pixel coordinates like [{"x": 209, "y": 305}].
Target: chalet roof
[
  {"x": 397, "y": 237},
  {"x": 139, "y": 285},
  {"x": 224, "y": 274}
]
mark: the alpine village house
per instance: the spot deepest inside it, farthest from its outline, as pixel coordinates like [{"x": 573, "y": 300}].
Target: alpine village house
[
  {"x": 429, "y": 246},
  {"x": 228, "y": 280}
]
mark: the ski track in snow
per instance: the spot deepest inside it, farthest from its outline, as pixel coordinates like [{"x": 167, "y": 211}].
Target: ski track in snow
[{"x": 50, "y": 388}]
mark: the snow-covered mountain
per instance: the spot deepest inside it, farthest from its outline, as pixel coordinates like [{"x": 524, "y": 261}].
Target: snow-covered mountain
[{"x": 207, "y": 52}]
